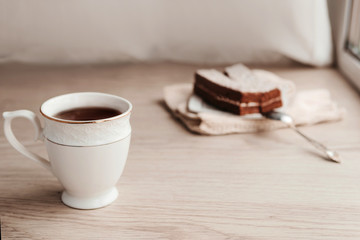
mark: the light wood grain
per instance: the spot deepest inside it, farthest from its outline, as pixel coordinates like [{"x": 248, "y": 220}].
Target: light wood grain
[{"x": 178, "y": 185}]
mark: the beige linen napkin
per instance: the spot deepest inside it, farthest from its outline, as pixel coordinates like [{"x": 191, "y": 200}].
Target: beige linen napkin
[{"x": 308, "y": 107}]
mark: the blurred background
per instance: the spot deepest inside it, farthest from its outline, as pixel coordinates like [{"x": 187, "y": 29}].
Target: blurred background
[
  {"x": 318, "y": 33},
  {"x": 204, "y": 31}
]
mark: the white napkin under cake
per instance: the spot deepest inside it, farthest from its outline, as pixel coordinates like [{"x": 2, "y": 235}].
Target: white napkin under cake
[{"x": 306, "y": 107}]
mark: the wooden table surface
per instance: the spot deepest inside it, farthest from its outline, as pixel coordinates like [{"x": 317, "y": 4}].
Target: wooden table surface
[{"x": 178, "y": 185}]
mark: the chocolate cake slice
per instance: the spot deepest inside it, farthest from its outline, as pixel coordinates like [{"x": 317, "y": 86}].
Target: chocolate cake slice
[{"x": 241, "y": 96}]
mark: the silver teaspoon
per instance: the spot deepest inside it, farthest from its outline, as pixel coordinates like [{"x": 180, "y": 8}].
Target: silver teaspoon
[{"x": 279, "y": 116}]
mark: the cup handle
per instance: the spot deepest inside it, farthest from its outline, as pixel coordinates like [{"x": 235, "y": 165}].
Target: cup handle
[{"x": 9, "y": 116}]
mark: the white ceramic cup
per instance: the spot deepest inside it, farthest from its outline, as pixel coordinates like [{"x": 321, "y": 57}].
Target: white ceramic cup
[{"x": 87, "y": 157}]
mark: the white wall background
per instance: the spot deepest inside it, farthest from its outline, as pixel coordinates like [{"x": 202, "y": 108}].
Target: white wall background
[{"x": 202, "y": 31}]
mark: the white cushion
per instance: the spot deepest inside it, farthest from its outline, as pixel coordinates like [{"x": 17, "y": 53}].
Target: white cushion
[{"x": 202, "y": 31}]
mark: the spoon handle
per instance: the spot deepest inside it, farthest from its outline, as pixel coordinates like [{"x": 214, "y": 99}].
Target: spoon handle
[{"x": 332, "y": 155}]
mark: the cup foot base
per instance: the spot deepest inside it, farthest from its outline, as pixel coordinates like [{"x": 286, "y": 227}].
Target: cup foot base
[{"x": 92, "y": 202}]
